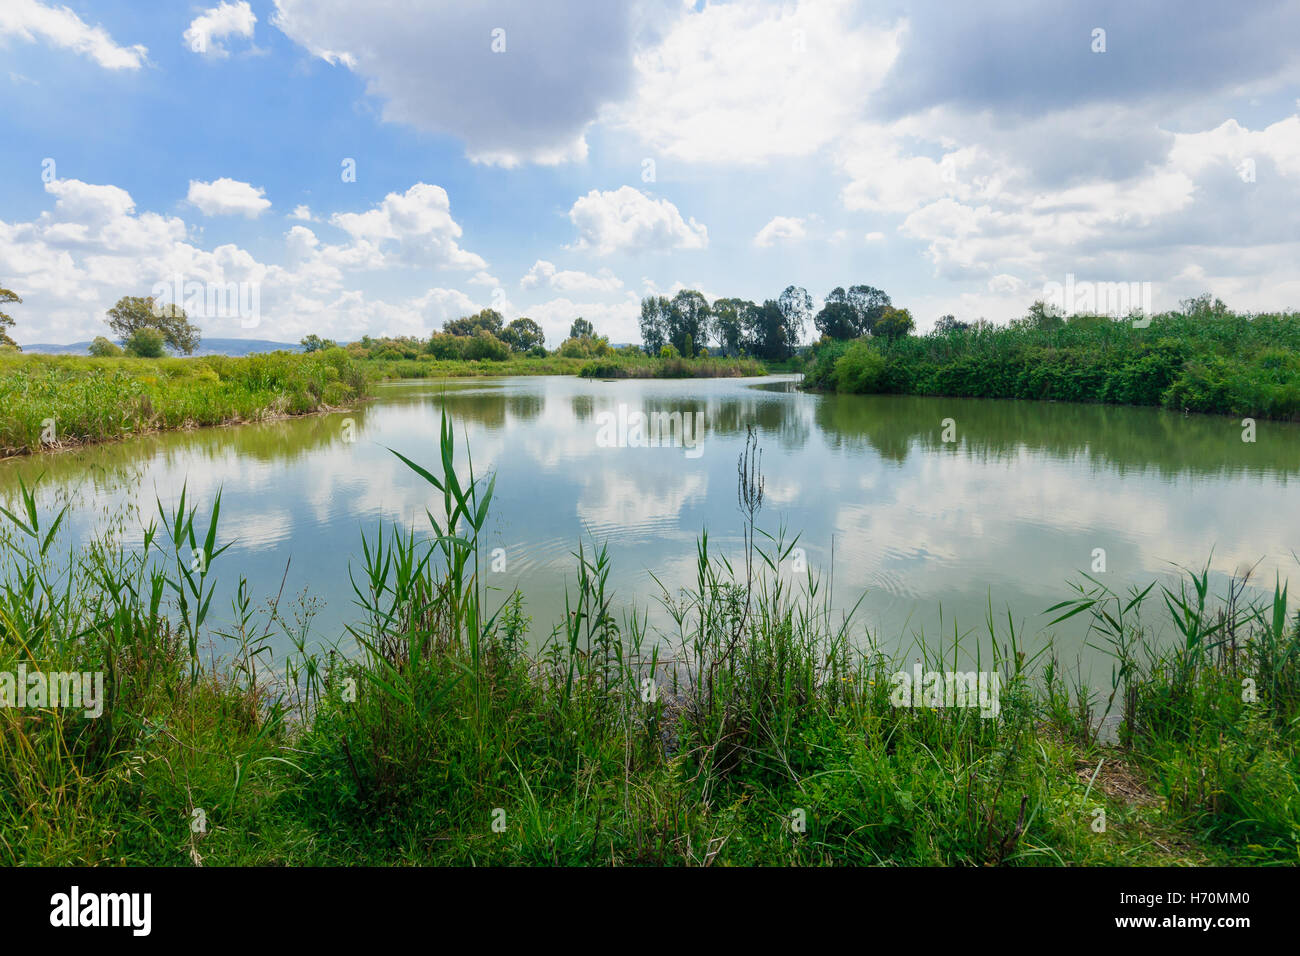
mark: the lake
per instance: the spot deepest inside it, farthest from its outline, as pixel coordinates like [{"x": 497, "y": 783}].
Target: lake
[{"x": 934, "y": 532}]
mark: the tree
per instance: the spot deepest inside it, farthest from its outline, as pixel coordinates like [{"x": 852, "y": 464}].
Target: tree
[
  {"x": 796, "y": 307},
  {"x": 133, "y": 313},
  {"x": 1203, "y": 303},
  {"x": 314, "y": 343},
  {"x": 486, "y": 319},
  {"x": 894, "y": 324},
  {"x": 689, "y": 318},
  {"x": 655, "y": 312},
  {"x": 950, "y": 323},
  {"x": 523, "y": 334},
  {"x": 1043, "y": 315},
  {"x": 145, "y": 342},
  {"x": 6, "y": 323},
  {"x": 771, "y": 334},
  {"x": 103, "y": 348},
  {"x": 870, "y": 304},
  {"x": 731, "y": 317},
  {"x": 581, "y": 329},
  {"x": 838, "y": 319}
]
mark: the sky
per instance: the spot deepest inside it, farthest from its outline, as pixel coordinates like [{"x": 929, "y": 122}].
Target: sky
[{"x": 379, "y": 168}]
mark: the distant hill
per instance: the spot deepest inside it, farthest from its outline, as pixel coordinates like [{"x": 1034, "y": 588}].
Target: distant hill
[{"x": 206, "y": 347}]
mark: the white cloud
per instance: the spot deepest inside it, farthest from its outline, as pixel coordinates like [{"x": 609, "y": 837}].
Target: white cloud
[
  {"x": 483, "y": 277},
  {"x": 433, "y": 66},
  {"x": 545, "y": 273},
  {"x": 781, "y": 229},
  {"x": 420, "y": 222},
  {"x": 301, "y": 212},
  {"x": 60, "y": 27},
  {"x": 208, "y": 29},
  {"x": 748, "y": 81},
  {"x": 627, "y": 220},
  {"x": 76, "y": 259},
  {"x": 228, "y": 197}
]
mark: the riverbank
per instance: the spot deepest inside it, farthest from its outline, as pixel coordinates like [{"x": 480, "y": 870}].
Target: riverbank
[
  {"x": 756, "y": 730},
  {"x": 53, "y": 402},
  {"x": 1210, "y": 361}
]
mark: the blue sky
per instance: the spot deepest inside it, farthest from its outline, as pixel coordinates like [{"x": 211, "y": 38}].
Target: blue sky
[{"x": 958, "y": 158}]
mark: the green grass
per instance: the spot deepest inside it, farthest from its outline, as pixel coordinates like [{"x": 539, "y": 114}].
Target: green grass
[
  {"x": 1208, "y": 361},
  {"x": 766, "y": 710},
  {"x": 640, "y": 366},
  {"x": 56, "y": 401}
]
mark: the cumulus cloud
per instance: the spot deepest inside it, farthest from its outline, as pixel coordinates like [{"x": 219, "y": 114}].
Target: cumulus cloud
[
  {"x": 228, "y": 197},
  {"x": 208, "y": 29},
  {"x": 524, "y": 94},
  {"x": 60, "y": 27},
  {"x": 748, "y": 81},
  {"x": 74, "y": 260},
  {"x": 419, "y": 222},
  {"x": 545, "y": 274},
  {"x": 627, "y": 220},
  {"x": 781, "y": 229}
]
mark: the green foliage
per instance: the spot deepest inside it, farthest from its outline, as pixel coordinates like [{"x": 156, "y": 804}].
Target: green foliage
[
  {"x": 581, "y": 329},
  {"x": 134, "y": 313},
  {"x": 860, "y": 369},
  {"x": 314, "y": 343},
  {"x": 894, "y": 324},
  {"x": 103, "y": 348},
  {"x": 100, "y": 399},
  {"x": 144, "y": 342},
  {"x": 1207, "y": 361},
  {"x": 483, "y": 345},
  {"x": 446, "y": 347},
  {"x": 523, "y": 335},
  {"x": 6, "y": 322},
  {"x": 485, "y": 320}
]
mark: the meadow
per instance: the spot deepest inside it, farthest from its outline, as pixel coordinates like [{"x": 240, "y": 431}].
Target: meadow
[
  {"x": 1205, "y": 360},
  {"x": 754, "y": 727}
]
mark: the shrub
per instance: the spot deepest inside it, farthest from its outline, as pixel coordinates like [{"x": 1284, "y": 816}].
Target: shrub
[
  {"x": 145, "y": 343},
  {"x": 103, "y": 348},
  {"x": 860, "y": 369},
  {"x": 447, "y": 347},
  {"x": 484, "y": 345}
]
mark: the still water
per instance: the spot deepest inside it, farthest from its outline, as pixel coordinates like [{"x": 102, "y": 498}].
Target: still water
[{"x": 935, "y": 533}]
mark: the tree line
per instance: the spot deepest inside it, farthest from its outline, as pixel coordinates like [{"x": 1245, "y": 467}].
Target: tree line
[{"x": 686, "y": 323}]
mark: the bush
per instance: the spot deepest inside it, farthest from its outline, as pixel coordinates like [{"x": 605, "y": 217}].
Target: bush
[
  {"x": 447, "y": 347},
  {"x": 484, "y": 345},
  {"x": 103, "y": 348},
  {"x": 669, "y": 351},
  {"x": 860, "y": 369},
  {"x": 145, "y": 343}
]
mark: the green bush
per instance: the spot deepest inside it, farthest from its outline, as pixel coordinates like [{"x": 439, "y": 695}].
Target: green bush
[
  {"x": 103, "y": 348},
  {"x": 145, "y": 343},
  {"x": 860, "y": 369},
  {"x": 484, "y": 345}
]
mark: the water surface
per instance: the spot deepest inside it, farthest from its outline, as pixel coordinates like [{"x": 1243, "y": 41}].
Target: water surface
[{"x": 936, "y": 533}]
